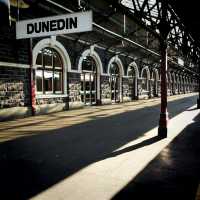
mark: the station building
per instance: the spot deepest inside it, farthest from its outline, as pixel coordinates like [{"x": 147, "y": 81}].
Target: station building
[{"x": 116, "y": 62}]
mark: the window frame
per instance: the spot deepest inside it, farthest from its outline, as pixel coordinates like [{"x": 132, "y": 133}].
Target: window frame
[{"x": 52, "y": 69}]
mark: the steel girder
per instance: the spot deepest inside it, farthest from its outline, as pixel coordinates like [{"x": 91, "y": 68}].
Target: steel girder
[{"x": 148, "y": 15}]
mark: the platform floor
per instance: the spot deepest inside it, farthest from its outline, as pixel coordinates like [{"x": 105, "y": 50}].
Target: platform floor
[{"x": 101, "y": 153}]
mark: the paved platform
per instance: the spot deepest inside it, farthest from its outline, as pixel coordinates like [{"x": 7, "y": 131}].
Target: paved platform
[{"x": 106, "y": 152}]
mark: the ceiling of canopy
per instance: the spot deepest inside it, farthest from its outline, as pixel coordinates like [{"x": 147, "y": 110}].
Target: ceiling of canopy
[{"x": 188, "y": 12}]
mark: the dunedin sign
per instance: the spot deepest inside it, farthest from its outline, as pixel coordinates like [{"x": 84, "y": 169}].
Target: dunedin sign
[{"x": 55, "y": 25}]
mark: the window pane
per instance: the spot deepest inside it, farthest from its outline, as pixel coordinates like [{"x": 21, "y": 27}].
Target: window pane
[
  {"x": 39, "y": 80},
  {"x": 39, "y": 59},
  {"x": 57, "y": 81},
  {"x": 114, "y": 69},
  {"x": 48, "y": 77},
  {"x": 57, "y": 61},
  {"x": 88, "y": 64},
  {"x": 47, "y": 56},
  {"x": 131, "y": 72}
]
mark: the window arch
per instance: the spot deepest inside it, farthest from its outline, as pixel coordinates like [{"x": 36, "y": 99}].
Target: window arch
[
  {"x": 92, "y": 55},
  {"x": 133, "y": 74},
  {"x": 49, "y": 72},
  {"x": 115, "y": 81},
  {"x": 145, "y": 75},
  {"x": 55, "y": 46},
  {"x": 89, "y": 80}
]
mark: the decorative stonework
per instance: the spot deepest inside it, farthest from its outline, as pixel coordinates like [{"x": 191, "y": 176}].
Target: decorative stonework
[
  {"x": 11, "y": 93},
  {"x": 105, "y": 88},
  {"x": 74, "y": 91}
]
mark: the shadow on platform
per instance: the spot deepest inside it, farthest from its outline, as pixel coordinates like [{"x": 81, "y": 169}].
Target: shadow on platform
[
  {"x": 30, "y": 165},
  {"x": 173, "y": 174}
]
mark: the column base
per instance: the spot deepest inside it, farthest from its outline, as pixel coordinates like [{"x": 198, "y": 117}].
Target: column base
[
  {"x": 198, "y": 103},
  {"x": 162, "y": 132},
  {"x": 33, "y": 111},
  {"x": 162, "y": 129}
]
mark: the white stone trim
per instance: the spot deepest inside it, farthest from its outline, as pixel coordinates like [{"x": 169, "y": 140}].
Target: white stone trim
[
  {"x": 49, "y": 96},
  {"x": 91, "y": 52},
  {"x": 74, "y": 71},
  {"x": 53, "y": 43},
  {"x": 95, "y": 56},
  {"x": 17, "y": 65}
]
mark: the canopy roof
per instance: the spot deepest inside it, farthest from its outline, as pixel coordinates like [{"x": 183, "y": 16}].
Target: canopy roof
[
  {"x": 188, "y": 11},
  {"x": 182, "y": 19}
]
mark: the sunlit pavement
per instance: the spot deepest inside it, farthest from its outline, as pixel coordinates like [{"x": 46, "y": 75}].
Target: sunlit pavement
[
  {"x": 92, "y": 153},
  {"x": 37, "y": 125}
]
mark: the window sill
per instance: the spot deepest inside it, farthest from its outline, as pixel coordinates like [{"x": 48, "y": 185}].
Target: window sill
[{"x": 48, "y": 96}]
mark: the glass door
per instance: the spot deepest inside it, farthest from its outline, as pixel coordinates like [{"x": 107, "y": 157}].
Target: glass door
[
  {"x": 88, "y": 88},
  {"x": 89, "y": 81},
  {"x": 115, "y": 82}
]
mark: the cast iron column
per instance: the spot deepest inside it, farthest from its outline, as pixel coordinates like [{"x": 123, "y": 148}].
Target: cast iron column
[
  {"x": 162, "y": 130},
  {"x": 31, "y": 79},
  {"x": 164, "y": 30},
  {"x": 198, "y": 100}
]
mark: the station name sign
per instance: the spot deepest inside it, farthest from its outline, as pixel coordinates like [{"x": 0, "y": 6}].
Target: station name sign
[{"x": 55, "y": 25}]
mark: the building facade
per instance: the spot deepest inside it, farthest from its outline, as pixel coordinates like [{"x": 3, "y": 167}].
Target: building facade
[{"x": 69, "y": 71}]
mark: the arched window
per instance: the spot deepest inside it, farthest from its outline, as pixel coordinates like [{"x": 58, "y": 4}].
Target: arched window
[
  {"x": 154, "y": 85},
  {"x": 49, "y": 72},
  {"x": 89, "y": 81},
  {"x": 132, "y": 79},
  {"x": 145, "y": 81},
  {"x": 115, "y": 82}
]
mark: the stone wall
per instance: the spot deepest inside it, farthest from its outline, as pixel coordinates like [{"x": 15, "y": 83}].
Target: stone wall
[
  {"x": 105, "y": 88},
  {"x": 14, "y": 87},
  {"x": 74, "y": 87}
]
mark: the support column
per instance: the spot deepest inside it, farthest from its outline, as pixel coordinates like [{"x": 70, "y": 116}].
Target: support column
[
  {"x": 32, "y": 82},
  {"x": 198, "y": 100},
  {"x": 162, "y": 129},
  {"x": 164, "y": 29}
]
